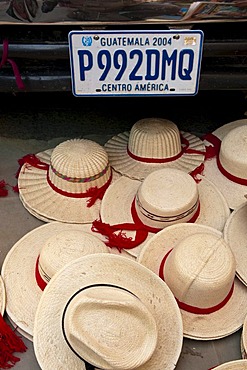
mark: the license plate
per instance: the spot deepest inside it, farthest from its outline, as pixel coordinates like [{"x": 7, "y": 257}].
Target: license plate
[{"x": 135, "y": 63}]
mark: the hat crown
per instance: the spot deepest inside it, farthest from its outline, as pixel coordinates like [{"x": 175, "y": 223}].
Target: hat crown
[
  {"x": 110, "y": 328},
  {"x": 65, "y": 247},
  {"x": 233, "y": 152},
  {"x": 165, "y": 197},
  {"x": 200, "y": 270},
  {"x": 79, "y": 164},
  {"x": 154, "y": 138}
]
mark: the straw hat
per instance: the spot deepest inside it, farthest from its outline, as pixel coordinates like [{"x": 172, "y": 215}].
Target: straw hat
[
  {"x": 199, "y": 267},
  {"x": 228, "y": 168},
  {"x": 154, "y": 143},
  {"x": 235, "y": 234},
  {"x": 66, "y": 183},
  {"x": 34, "y": 259},
  {"x": 165, "y": 197},
  {"x": 232, "y": 365},
  {"x": 111, "y": 312}
]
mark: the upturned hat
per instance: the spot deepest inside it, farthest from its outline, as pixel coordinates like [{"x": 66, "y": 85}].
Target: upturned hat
[
  {"x": 226, "y": 160},
  {"x": 111, "y": 312},
  {"x": 34, "y": 259},
  {"x": 154, "y": 143},
  {"x": 66, "y": 183},
  {"x": 200, "y": 269},
  {"x": 132, "y": 211}
]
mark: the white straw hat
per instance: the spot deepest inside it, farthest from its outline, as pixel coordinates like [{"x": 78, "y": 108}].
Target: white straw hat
[
  {"x": 111, "y": 312},
  {"x": 235, "y": 234},
  {"x": 34, "y": 259},
  {"x": 232, "y": 365},
  {"x": 199, "y": 267},
  {"x": 66, "y": 183},
  {"x": 227, "y": 167},
  {"x": 165, "y": 197},
  {"x": 154, "y": 143}
]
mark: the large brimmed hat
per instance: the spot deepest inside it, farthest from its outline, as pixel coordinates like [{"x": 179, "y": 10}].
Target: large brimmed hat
[
  {"x": 226, "y": 165},
  {"x": 111, "y": 312},
  {"x": 199, "y": 268},
  {"x": 166, "y": 196},
  {"x": 66, "y": 183},
  {"x": 154, "y": 143},
  {"x": 34, "y": 259},
  {"x": 232, "y": 365},
  {"x": 235, "y": 233}
]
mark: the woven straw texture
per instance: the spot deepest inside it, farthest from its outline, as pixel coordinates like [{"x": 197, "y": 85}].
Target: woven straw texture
[
  {"x": 202, "y": 276},
  {"x": 233, "y": 365},
  {"x": 113, "y": 270},
  {"x": 2, "y": 296}
]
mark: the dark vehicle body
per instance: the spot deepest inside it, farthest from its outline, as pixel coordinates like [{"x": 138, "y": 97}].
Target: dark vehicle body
[{"x": 36, "y": 33}]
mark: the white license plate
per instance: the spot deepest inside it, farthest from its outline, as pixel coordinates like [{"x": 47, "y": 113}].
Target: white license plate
[{"x": 135, "y": 63}]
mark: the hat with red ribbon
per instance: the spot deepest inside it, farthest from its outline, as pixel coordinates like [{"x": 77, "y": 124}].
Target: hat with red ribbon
[
  {"x": 151, "y": 144},
  {"x": 67, "y": 183},
  {"x": 226, "y": 160},
  {"x": 200, "y": 269}
]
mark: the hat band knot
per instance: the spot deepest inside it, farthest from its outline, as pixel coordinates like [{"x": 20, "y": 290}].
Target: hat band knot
[
  {"x": 214, "y": 151},
  {"x": 184, "y": 150},
  {"x": 194, "y": 309}
]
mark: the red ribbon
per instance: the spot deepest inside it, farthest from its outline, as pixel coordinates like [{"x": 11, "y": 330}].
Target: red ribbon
[
  {"x": 13, "y": 64},
  {"x": 214, "y": 152},
  {"x": 41, "y": 283},
  {"x": 194, "y": 309},
  {"x": 185, "y": 150}
]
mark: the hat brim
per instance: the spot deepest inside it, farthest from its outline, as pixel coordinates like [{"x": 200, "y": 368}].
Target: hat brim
[
  {"x": 2, "y": 296},
  {"x": 97, "y": 269},
  {"x": 233, "y": 192},
  {"x": 120, "y": 160},
  {"x": 235, "y": 233},
  {"x": 244, "y": 339},
  {"x": 35, "y": 193},
  {"x": 211, "y": 326},
  {"x": 18, "y": 272},
  {"x": 233, "y": 365},
  {"x": 116, "y": 206}
]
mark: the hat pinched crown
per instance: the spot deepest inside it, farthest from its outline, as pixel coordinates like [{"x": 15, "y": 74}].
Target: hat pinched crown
[
  {"x": 109, "y": 327},
  {"x": 200, "y": 272}
]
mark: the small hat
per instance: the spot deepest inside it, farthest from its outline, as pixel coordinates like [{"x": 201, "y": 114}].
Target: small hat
[
  {"x": 111, "y": 312},
  {"x": 154, "y": 143},
  {"x": 166, "y": 196},
  {"x": 67, "y": 183},
  {"x": 226, "y": 165},
  {"x": 232, "y": 365},
  {"x": 199, "y": 268},
  {"x": 235, "y": 234},
  {"x": 34, "y": 259}
]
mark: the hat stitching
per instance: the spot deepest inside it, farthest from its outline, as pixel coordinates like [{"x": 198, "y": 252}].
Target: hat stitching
[{"x": 190, "y": 308}]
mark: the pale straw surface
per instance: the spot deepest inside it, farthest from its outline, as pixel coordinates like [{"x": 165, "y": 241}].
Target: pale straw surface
[
  {"x": 244, "y": 339},
  {"x": 2, "y": 296},
  {"x": 233, "y": 365},
  {"x": 156, "y": 138},
  {"x": 167, "y": 192},
  {"x": 233, "y": 156},
  {"x": 235, "y": 233},
  {"x": 57, "y": 244},
  {"x": 217, "y": 274},
  {"x": 113, "y": 270},
  {"x": 74, "y": 158}
]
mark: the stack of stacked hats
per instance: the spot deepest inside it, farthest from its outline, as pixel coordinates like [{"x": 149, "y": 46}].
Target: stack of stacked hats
[{"x": 149, "y": 196}]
